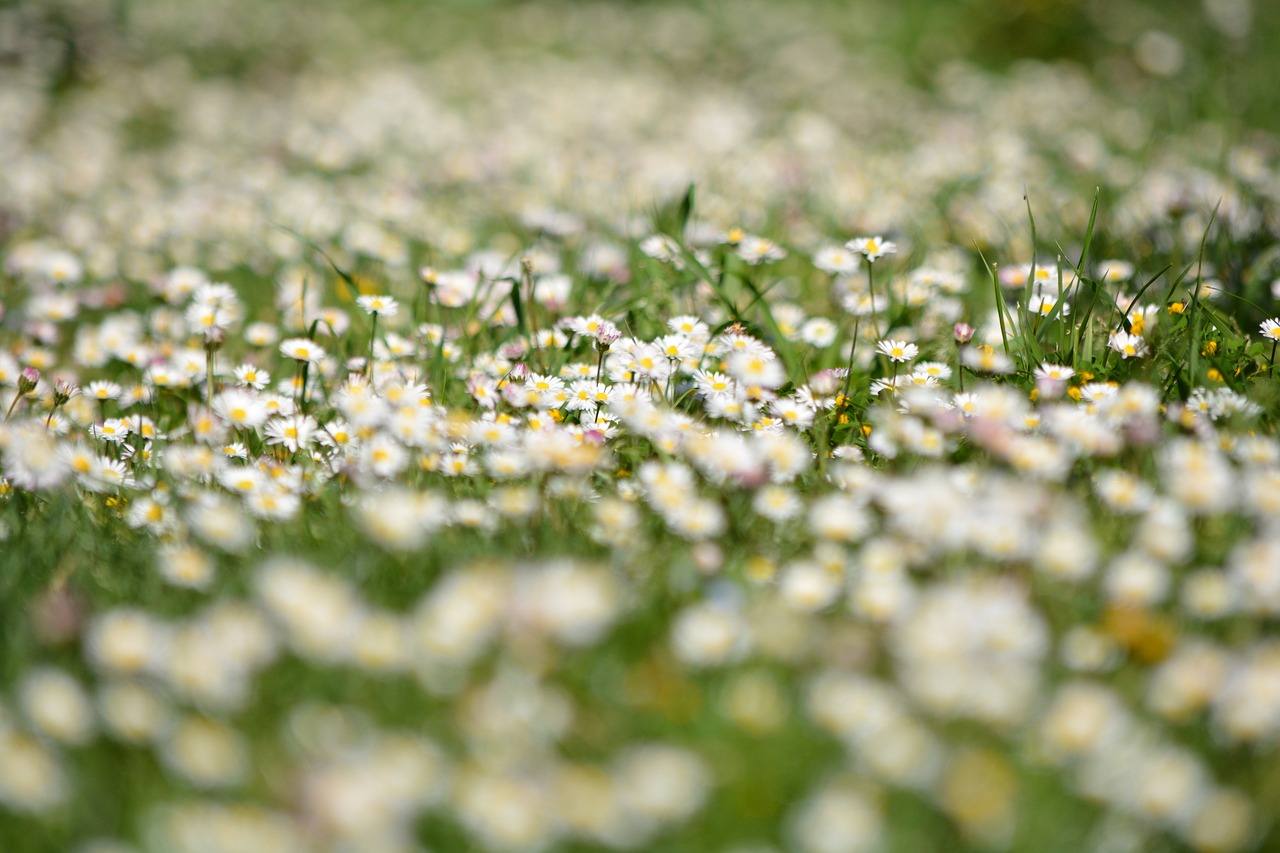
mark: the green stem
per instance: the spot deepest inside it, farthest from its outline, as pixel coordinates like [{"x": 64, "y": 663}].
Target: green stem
[
  {"x": 302, "y": 386},
  {"x": 210, "y": 383},
  {"x": 599, "y": 373},
  {"x": 848, "y": 373},
  {"x": 875, "y": 321}
]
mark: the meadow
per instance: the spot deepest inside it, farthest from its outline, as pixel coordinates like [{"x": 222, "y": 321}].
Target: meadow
[{"x": 711, "y": 426}]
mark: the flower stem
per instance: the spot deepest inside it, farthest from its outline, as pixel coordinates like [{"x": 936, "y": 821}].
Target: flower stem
[
  {"x": 875, "y": 321},
  {"x": 302, "y": 386},
  {"x": 848, "y": 373},
  {"x": 599, "y": 373},
  {"x": 210, "y": 383}
]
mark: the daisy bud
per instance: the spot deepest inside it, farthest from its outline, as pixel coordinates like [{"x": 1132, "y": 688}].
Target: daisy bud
[
  {"x": 515, "y": 349},
  {"x": 27, "y": 380},
  {"x": 824, "y": 383},
  {"x": 606, "y": 335},
  {"x": 519, "y": 371},
  {"x": 213, "y": 338},
  {"x": 963, "y": 333},
  {"x": 64, "y": 390}
]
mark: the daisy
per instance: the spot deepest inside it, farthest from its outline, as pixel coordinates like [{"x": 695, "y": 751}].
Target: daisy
[
  {"x": 242, "y": 480},
  {"x": 181, "y": 282},
  {"x": 651, "y": 363},
  {"x": 252, "y": 377},
  {"x": 836, "y": 260},
  {"x": 261, "y": 334},
  {"x": 457, "y": 462},
  {"x": 677, "y": 347},
  {"x": 1271, "y": 329},
  {"x": 864, "y": 304},
  {"x": 293, "y": 432},
  {"x": 1114, "y": 271},
  {"x": 934, "y": 369},
  {"x": 730, "y": 408},
  {"x": 483, "y": 390},
  {"x": 1092, "y": 392},
  {"x": 384, "y": 306},
  {"x": 662, "y": 248},
  {"x": 712, "y": 384},
  {"x": 240, "y": 409},
  {"x": 819, "y": 332},
  {"x": 586, "y": 394},
  {"x": 273, "y": 503},
  {"x": 78, "y": 458},
  {"x": 205, "y": 426},
  {"x": 777, "y": 503},
  {"x": 1129, "y": 346},
  {"x": 757, "y": 370},
  {"x": 578, "y": 370},
  {"x": 794, "y": 412},
  {"x": 150, "y": 513},
  {"x": 735, "y": 341},
  {"x": 985, "y": 359},
  {"x": 184, "y": 565},
  {"x": 1043, "y": 305},
  {"x": 810, "y": 397},
  {"x": 102, "y": 389},
  {"x": 302, "y": 349},
  {"x": 136, "y": 395},
  {"x": 113, "y": 430},
  {"x": 393, "y": 346},
  {"x": 585, "y": 326},
  {"x": 897, "y": 351},
  {"x": 384, "y": 457},
  {"x": 164, "y": 375},
  {"x": 208, "y": 319},
  {"x": 689, "y": 326},
  {"x": 336, "y": 434},
  {"x": 759, "y": 250},
  {"x": 1055, "y": 372},
  {"x": 888, "y": 383},
  {"x": 277, "y": 404},
  {"x": 873, "y": 248}
]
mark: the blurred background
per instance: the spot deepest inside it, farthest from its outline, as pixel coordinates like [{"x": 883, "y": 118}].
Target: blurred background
[
  {"x": 135, "y": 130},
  {"x": 1165, "y": 48}
]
